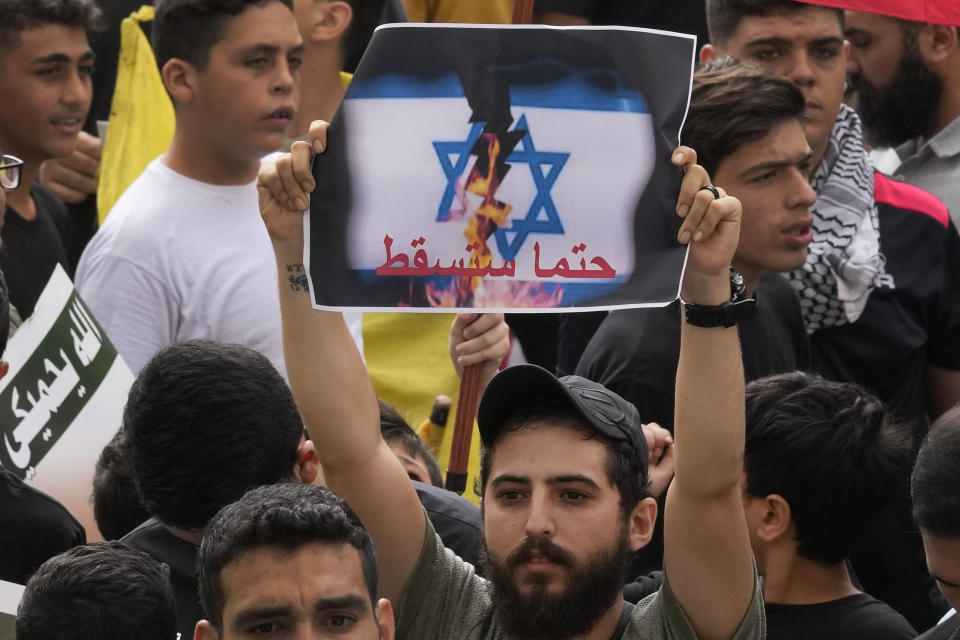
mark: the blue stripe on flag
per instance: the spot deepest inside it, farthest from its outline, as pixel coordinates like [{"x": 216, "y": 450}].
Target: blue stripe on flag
[
  {"x": 403, "y": 86},
  {"x": 571, "y": 93},
  {"x": 577, "y": 94}
]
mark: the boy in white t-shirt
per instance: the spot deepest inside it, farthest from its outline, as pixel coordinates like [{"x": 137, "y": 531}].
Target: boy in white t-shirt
[{"x": 183, "y": 253}]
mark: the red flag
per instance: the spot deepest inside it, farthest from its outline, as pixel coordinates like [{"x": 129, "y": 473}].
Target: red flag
[{"x": 929, "y": 11}]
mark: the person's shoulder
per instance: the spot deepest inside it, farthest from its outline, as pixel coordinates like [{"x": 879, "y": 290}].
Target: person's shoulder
[
  {"x": 660, "y": 616},
  {"x": 46, "y": 201},
  {"x": 455, "y": 519},
  {"x": 878, "y": 618},
  {"x": 625, "y": 332},
  {"x": 36, "y": 511},
  {"x": 948, "y": 629},
  {"x": 153, "y": 537},
  {"x": 450, "y": 505},
  {"x": 143, "y": 215},
  {"x": 909, "y": 198}
]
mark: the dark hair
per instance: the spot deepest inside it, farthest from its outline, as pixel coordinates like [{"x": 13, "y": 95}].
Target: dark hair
[
  {"x": 394, "y": 428},
  {"x": 733, "y": 104},
  {"x": 830, "y": 450},
  {"x": 724, "y": 16},
  {"x": 98, "y": 591},
  {"x": 284, "y": 517},
  {"x": 935, "y": 487},
  {"x": 116, "y": 504},
  {"x": 366, "y": 18},
  {"x": 16, "y": 16},
  {"x": 205, "y": 423},
  {"x": 4, "y": 312},
  {"x": 188, "y": 29},
  {"x": 624, "y": 468}
]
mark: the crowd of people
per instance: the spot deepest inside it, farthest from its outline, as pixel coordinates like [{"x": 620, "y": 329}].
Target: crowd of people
[{"x": 775, "y": 454}]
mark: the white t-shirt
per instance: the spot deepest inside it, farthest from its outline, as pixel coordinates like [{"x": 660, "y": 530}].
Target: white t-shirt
[{"x": 179, "y": 259}]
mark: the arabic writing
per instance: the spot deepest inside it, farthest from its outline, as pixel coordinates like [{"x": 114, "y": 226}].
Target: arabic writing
[
  {"x": 400, "y": 264},
  {"x": 53, "y": 386},
  {"x": 46, "y": 403}
]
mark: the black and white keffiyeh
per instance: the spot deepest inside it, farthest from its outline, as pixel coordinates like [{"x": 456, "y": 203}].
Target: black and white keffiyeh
[{"x": 844, "y": 259}]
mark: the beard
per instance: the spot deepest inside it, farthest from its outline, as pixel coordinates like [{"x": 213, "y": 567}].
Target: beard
[
  {"x": 906, "y": 108},
  {"x": 592, "y": 587}
]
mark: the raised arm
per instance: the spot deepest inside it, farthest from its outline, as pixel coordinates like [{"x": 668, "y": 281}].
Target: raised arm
[
  {"x": 330, "y": 383},
  {"x": 707, "y": 555},
  {"x": 333, "y": 392}
]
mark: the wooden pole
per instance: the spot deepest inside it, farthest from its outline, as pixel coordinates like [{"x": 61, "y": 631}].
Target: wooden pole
[
  {"x": 522, "y": 11},
  {"x": 470, "y": 383}
]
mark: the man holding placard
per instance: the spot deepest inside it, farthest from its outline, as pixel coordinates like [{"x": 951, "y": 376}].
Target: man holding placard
[{"x": 562, "y": 488}]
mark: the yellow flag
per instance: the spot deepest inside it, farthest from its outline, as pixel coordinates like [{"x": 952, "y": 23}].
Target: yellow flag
[
  {"x": 407, "y": 360},
  {"x": 141, "y": 115}
]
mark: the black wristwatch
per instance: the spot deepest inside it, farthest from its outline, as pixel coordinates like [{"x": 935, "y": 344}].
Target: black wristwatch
[{"x": 727, "y": 314}]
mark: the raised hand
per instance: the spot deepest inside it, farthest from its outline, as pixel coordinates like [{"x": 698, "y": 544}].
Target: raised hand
[
  {"x": 712, "y": 228},
  {"x": 283, "y": 188}
]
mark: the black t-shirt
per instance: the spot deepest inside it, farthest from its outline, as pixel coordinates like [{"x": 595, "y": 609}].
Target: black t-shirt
[
  {"x": 684, "y": 16},
  {"x": 634, "y": 352},
  {"x": 949, "y": 629},
  {"x": 856, "y": 616},
  {"x": 33, "y": 248},
  {"x": 912, "y": 317},
  {"x": 33, "y": 528},
  {"x": 154, "y": 539}
]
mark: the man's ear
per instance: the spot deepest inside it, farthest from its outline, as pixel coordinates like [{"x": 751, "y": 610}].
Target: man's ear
[
  {"x": 4, "y": 368},
  {"x": 937, "y": 43},
  {"x": 642, "y": 519},
  {"x": 307, "y": 467},
  {"x": 179, "y": 77},
  {"x": 205, "y": 631},
  {"x": 385, "y": 621},
  {"x": 329, "y": 20},
  {"x": 775, "y": 519},
  {"x": 709, "y": 52}
]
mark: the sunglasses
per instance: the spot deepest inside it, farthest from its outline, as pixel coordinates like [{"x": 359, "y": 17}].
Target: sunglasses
[{"x": 10, "y": 171}]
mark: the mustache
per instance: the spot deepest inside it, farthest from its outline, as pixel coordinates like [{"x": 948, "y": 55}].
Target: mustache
[{"x": 544, "y": 548}]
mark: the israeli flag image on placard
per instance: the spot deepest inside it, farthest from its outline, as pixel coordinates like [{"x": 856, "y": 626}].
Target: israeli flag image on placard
[{"x": 513, "y": 182}]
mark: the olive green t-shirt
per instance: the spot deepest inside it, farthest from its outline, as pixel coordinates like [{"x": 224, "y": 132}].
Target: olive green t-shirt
[{"x": 445, "y": 600}]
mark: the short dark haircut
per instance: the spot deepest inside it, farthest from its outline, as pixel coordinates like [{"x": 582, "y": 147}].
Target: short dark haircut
[
  {"x": 284, "y": 517},
  {"x": 624, "y": 469},
  {"x": 366, "y": 18},
  {"x": 188, "y": 29},
  {"x": 17, "y": 16},
  {"x": 116, "y": 504},
  {"x": 831, "y": 451},
  {"x": 394, "y": 428},
  {"x": 724, "y": 16},
  {"x": 98, "y": 591},
  {"x": 733, "y": 104},
  {"x": 935, "y": 487},
  {"x": 205, "y": 423}
]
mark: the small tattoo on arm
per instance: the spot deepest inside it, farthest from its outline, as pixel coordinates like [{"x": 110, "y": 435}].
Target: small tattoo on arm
[{"x": 297, "y": 277}]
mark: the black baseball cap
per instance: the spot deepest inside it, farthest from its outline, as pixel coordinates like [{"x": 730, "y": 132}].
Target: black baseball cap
[{"x": 599, "y": 407}]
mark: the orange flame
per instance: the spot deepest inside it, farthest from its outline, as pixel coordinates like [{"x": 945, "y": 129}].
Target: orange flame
[{"x": 489, "y": 216}]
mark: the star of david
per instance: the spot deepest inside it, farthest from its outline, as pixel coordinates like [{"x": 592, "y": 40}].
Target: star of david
[{"x": 545, "y": 168}]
